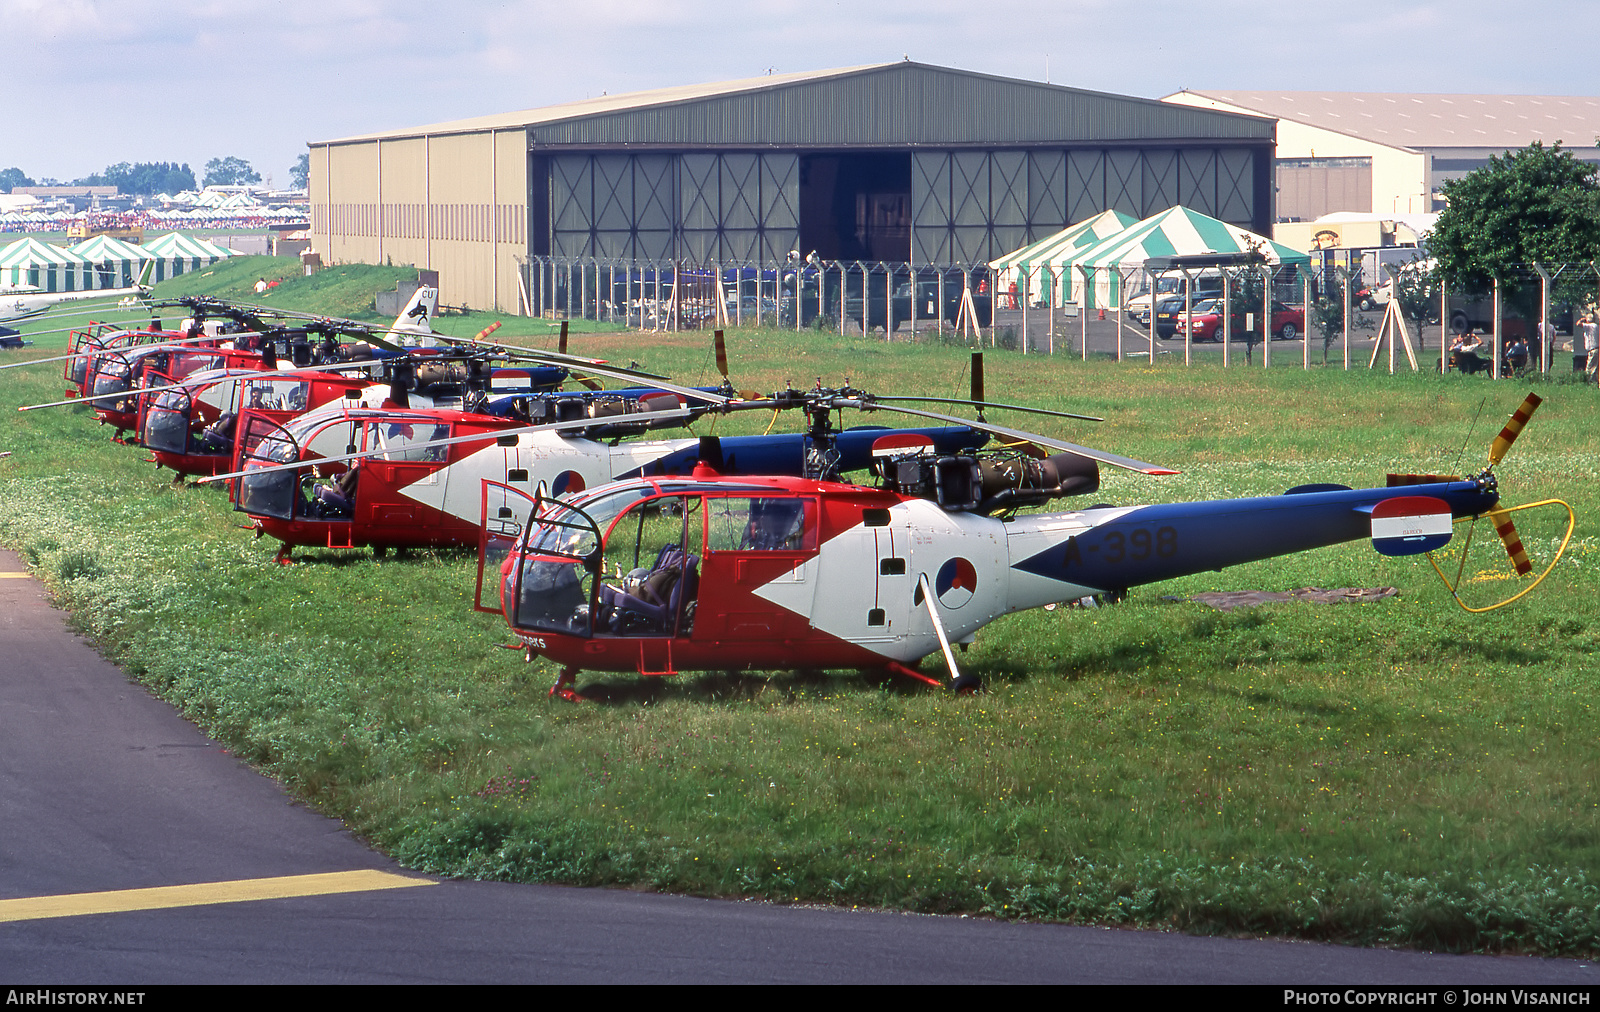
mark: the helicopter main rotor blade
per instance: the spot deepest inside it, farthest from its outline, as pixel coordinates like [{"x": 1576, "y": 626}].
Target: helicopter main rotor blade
[
  {"x": 984, "y": 405},
  {"x": 1115, "y": 460},
  {"x": 577, "y": 423},
  {"x": 184, "y": 384}
]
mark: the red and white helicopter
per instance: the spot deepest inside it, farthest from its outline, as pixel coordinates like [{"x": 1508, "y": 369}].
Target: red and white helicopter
[
  {"x": 422, "y": 469},
  {"x": 658, "y": 575}
]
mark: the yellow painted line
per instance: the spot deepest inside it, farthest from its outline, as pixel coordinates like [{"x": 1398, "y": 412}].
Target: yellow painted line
[
  {"x": 13, "y": 576},
  {"x": 34, "y": 908}
]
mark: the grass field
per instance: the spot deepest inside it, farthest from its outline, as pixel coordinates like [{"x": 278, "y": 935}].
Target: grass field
[{"x": 1394, "y": 773}]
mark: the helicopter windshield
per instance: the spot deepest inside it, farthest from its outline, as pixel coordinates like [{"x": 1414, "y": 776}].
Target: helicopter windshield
[
  {"x": 643, "y": 583},
  {"x": 274, "y": 493},
  {"x": 166, "y": 422}
]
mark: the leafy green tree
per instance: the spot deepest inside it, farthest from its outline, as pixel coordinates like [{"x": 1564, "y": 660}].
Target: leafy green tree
[
  {"x": 143, "y": 178},
  {"x": 1535, "y": 205},
  {"x": 300, "y": 172},
  {"x": 229, "y": 171},
  {"x": 13, "y": 177}
]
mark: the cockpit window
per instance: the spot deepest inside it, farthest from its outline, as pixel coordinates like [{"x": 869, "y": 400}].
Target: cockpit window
[{"x": 770, "y": 524}]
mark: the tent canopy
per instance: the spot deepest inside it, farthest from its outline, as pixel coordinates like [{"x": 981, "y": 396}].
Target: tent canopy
[
  {"x": 1179, "y": 231},
  {"x": 1049, "y": 251}
]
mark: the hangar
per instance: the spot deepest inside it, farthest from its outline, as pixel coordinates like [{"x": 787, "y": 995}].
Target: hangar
[{"x": 894, "y": 163}]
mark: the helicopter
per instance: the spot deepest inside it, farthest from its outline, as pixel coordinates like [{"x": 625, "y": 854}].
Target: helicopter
[
  {"x": 422, "y": 470},
  {"x": 659, "y": 575}
]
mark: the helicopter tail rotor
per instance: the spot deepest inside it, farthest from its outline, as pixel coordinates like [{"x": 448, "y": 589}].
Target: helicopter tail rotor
[{"x": 1521, "y": 566}]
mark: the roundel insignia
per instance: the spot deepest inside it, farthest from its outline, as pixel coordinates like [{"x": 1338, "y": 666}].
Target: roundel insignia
[
  {"x": 567, "y": 481},
  {"x": 957, "y": 582}
]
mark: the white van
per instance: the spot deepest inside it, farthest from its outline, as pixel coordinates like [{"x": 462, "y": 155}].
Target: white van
[{"x": 1207, "y": 284}]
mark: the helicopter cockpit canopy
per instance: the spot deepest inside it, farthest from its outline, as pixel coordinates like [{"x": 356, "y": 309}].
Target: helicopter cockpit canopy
[{"x": 626, "y": 560}]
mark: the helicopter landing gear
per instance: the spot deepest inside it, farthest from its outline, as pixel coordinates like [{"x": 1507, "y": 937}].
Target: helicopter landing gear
[
  {"x": 901, "y": 669},
  {"x": 966, "y": 685},
  {"x": 282, "y": 558},
  {"x": 563, "y": 687}
]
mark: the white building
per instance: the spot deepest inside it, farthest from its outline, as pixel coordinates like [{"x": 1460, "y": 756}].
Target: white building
[{"x": 1387, "y": 154}]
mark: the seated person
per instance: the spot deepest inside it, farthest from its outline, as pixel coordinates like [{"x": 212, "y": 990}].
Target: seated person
[
  {"x": 217, "y": 437},
  {"x": 775, "y": 525},
  {"x": 1464, "y": 353},
  {"x": 339, "y": 497},
  {"x": 647, "y": 602},
  {"x": 1517, "y": 355}
]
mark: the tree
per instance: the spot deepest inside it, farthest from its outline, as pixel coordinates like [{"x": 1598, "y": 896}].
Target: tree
[
  {"x": 229, "y": 171},
  {"x": 1535, "y": 205},
  {"x": 143, "y": 178},
  {"x": 300, "y": 172},
  {"x": 13, "y": 177}
]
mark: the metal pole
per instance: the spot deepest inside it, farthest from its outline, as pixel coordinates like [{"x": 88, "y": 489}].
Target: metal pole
[
  {"x": 1266, "y": 316},
  {"x": 1546, "y": 332},
  {"x": 1444, "y": 329},
  {"x": 1188, "y": 317},
  {"x": 1122, "y": 302},
  {"x": 1305, "y": 314},
  {"x": 1344, "y": 278},
  {"x": 1153, "y": 279},
  {"x": 1022, "y": 294},
  {"x": 1496, "y": 373},
  {"x": 1227, "y": 316},
  {"x": 1055, "y": 294}
]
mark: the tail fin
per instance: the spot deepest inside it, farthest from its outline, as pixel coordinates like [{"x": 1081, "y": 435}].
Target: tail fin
[
  {"x": 416, "y": 319},
  {"x": 145, "y": 272}
]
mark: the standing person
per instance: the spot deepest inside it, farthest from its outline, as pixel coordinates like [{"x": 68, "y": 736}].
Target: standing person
[
  {"x": 1581, "y": 340},
  {"x": 1583, "y": 345}
]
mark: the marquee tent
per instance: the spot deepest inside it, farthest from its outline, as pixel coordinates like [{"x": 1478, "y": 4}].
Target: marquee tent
[
  {"x": 116, "y": 264},
  {"x": 1177, "y": 231},
  {"x": 1041, "y": 260},
  {"x": 31, "y": 263},
  {"x": 178, "y": 254}
]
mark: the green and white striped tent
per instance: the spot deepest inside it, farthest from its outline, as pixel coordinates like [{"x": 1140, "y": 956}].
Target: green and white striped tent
[
  {"x": 178, "y": 254},
  {"x": 116, "y": 264},
  {"x": 1041, "y": 260},
  {"x": 1177, "y": 231},
  {"x": 31, "y": 263}
]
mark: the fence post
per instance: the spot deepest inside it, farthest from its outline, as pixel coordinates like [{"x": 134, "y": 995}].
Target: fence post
[
  {"x": 1496, "y": 372},
  {"x": 1344, "y": 279},
  {"x": 1267, "y": 274},
  {"x": 1546, "y": 332},
  {"x": 1305, "y": 314}
]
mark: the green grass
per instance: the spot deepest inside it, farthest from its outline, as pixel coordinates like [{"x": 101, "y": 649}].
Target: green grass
[{"x": 1395, "y": 773}]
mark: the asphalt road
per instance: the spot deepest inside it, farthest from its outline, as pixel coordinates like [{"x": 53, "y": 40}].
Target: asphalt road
[{"x": 108, "y": 799}]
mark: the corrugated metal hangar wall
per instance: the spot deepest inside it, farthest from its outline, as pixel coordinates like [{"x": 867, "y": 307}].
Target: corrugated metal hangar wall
[{"x": 893, "y": 162}]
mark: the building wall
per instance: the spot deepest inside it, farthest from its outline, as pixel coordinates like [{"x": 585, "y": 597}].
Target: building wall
[
  {"x": 457, "y": 204},
  {"x": 1400, "y": 181}
]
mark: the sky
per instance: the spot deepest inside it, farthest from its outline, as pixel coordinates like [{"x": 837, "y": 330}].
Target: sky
[{"x": 96, "y": 82}]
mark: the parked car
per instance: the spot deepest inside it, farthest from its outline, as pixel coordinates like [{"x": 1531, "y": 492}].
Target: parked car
[{"x": 1288, "y": 322}]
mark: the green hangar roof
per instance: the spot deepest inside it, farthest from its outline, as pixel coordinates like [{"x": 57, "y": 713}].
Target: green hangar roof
[{"x": 896, "y": 105}]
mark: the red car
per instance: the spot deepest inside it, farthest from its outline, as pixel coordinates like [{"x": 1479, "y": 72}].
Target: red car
[{"x": 1288, "y": 322}]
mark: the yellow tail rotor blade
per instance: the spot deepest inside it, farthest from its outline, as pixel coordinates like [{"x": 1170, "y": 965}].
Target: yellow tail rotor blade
[
  {"x": 1513, "y": 541},
  {"x": 1508, "y": 435}
]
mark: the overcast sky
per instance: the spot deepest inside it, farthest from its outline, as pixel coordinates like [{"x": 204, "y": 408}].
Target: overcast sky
[{"x": 101, "y": 81}]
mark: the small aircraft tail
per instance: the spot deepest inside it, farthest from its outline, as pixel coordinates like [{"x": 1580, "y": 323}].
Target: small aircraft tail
[
  {"x": 414, "y": 325},
  {"x": 145, "y": 273}
]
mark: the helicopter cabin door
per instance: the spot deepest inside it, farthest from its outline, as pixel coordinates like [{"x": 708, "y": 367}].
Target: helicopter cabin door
[
  {"x": 650, "y": 578},
  {"x": 502, "y": 512},
  {"x": 760, "y": 569},
  {"x": 381, "y": 503}
]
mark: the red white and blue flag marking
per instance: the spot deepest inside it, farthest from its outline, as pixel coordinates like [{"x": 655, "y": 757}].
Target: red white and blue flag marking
[{"x": 1410, "y": 525}]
